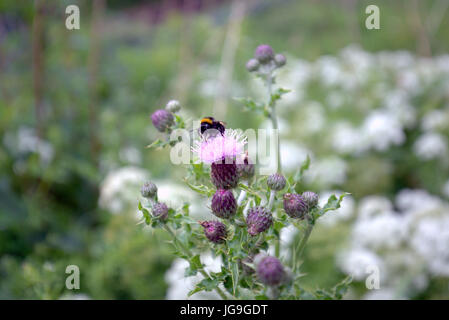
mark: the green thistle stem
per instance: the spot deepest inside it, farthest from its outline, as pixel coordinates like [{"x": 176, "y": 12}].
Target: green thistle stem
[
  {"x": 271, "y": 201},
  {"x": 242, "y": 194},
  {"x": 274, "y": 122},
  {"x": 302, "y": 244}
]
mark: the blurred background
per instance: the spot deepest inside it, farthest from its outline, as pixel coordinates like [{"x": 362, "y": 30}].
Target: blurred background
[{"x": 370, "y": 107}]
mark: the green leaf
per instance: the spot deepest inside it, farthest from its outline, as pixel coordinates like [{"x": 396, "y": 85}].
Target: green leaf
[
  {"x": 189, "y": 272},
  {"x": 278, "y": 225},
  {"x": 179, "y": 122},
  {"x": 295, "y": 178},
  {"x": 337, "y": 292},
  {"x": 157, "y": 144},
  {"x": 195, "y": 265},
  {"x": 277, "y": 95},
  {"x": 208, "y": 284},
  {"x": 333, "y": 203},
  {"x": 195, "y": 262},
  {"x": 186, "y": 208},
  {"x": 195, "y": 290},
  {"x": 304, "y": 167},
  {"x": 198, "y": 171},
  {"x": 201, "y": 189},
  {"x": 250, "y": 105},
  {"x": 250, "y": 191},
  {"x": 146, "y": 214},
  {"x": 341, "y": 288}
]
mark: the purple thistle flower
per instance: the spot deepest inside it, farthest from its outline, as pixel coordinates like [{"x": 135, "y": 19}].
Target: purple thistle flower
[
  {"x": 270, "y": 271},
  {"x": 295, "y": 205},
  {"x": 224, "y": 204},
  {"x": 215, "y": 231},
  {"x": 258, "y": 220},
  {"x": 230, "y": 145},
  {"x": 264, "y": 53},
  {"x": 160, "y": 210},
  {"x": 162, "y": 120},
  {"x": 311, "y": 198},
  {"x": 276, "y": 182}
]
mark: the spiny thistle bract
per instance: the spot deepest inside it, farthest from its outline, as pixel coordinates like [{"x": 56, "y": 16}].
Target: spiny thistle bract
[
  {"x": 250, "y": 224},
  {"x": 215, "y": 231},
  {"x": 160, "y": 210},
  {"x": 311, "y": 198},
  {"x": 295, "y": 205},
  {"x": 224, "y": 175},
  {"x": 149, "y": 190},
  {"x": 259, "y": 219},
  {"x": 224, "y": 204},
  {"x": 276, "y": 182}
]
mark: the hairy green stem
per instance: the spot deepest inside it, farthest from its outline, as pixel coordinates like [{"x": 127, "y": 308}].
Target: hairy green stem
[
  {"x": 274, "y": 122},
  {"x": 242, "y": 194},
  {"x": 188, "y": 253},
  {"x": 271, "y": 201},
  {"x": 302, "y": 244}
]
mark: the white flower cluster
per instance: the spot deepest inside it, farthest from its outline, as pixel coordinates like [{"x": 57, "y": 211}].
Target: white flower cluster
[
  {"x": 120, "y": 188},
  {"x": 119, "y": 192},
  {"x": 379, "y": 91},
  {"x": 179, "y": 286},
  {"x": 27, "y": 141},
  {"x": 408, "y": 242}
]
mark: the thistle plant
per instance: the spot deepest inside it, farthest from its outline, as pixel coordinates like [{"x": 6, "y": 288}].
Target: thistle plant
[{"x": 244, "y": 228}]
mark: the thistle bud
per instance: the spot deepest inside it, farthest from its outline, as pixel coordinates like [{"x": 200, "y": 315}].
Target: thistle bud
[
  {"x": 295, "y": 205},
  {"x": 148, "y": 190},
  {"x": 258, "y": 220},
  {"x": 215, "y": 231},
  {"x": 264, "y": 53},
  {"x": 224, "y": 175},
  {"x": 311, "y": 198},
  {"x": 162, "y": 120},
  {"x": 252, "y": 65},
  {"x": 160, "y": 210},
  {"x": 173, "y": 106},
  {"x": 224, "y": 204},
  {"x": 276, "y": 182},
  {"x": 270, "y": 271},
  {"x": 280, "y": 60}
]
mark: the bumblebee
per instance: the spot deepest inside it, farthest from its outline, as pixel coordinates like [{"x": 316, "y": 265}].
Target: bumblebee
[{"x": 210, "y": 123}]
